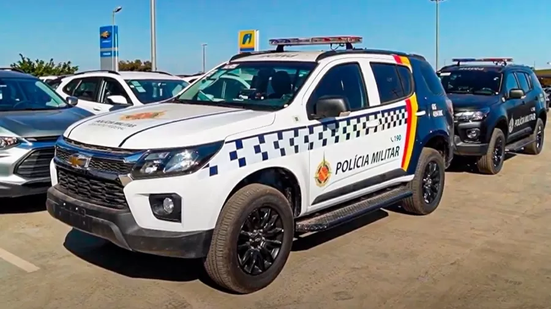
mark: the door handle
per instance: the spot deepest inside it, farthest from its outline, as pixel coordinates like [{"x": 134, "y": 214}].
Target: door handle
[
  {"x": 421, "y": 113},
  {"x": 97, "y": 109},
  {"x": 372, "y": 123}
]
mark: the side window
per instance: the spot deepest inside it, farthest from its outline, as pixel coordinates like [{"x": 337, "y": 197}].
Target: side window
[
  {"x": 510, "y": 82},
  {"x": 530, "y": 83},
  {"x": 523, "y": 82},
  {"x": 343, "y": 80},
  {"x": 113, "y": 87},
  {"x": 406, "y": 78},
  {"x": 87, "y": 89},
  {"x": 431, "y": 79},
  {"x": 389, "y": 82},
  {"x": 70, "y": 87}
]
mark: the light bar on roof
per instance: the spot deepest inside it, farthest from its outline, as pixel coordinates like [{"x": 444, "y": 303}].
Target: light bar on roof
[
  {"x": 483, "y": 59},
  {"x": 322, "y": 40}
]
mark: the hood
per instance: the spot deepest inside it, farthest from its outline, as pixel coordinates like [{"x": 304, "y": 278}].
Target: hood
[
  {"x": 471, "y": 101},
  {"x": 40, "y": 123},
  {"x": 166, "y": 125}
]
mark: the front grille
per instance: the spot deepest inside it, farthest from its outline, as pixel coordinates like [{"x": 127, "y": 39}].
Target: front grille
[
  {"x": 93, "y": 190},
  {"x": 36, "y": 164},
  {"x": 99, "y": 164}
]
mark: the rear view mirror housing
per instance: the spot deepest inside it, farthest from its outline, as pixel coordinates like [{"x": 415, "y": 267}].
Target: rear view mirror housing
[{"x": 330, "y": 107}]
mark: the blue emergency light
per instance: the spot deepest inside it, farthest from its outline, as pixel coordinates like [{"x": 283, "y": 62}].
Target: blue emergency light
[{"x": 346, "y": 40}]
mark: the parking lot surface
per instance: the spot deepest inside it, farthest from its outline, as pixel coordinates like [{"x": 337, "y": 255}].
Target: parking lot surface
[{"x": 487, "y": 246}]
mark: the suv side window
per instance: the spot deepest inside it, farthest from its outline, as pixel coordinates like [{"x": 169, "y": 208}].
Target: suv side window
[
  {"x": 431, "y": 79},
  {"x": 113, "y": 87},
  {"x": 70, "y": 87},
  {"x": 344, "y": 80},
  {"x": 510, "y": 82},
  {"x": 389, "y": 83},
  {"x": 88, "y": 89},
  {"x": 523, "y": 82},
  {"x": 530, "y": 83}
]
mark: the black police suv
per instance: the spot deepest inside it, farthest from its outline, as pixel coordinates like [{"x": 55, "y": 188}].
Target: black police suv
[{"x": 498, "y": 108}]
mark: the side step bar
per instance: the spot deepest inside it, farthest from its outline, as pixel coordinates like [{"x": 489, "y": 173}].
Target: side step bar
[
  {"x": 350, "y": 210},
  {"x": 516, "y": 146}
]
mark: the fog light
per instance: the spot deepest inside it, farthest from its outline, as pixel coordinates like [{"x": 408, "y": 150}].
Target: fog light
[
  {"x": 166, "y": 207},
  {"x": 473, "y": 133}
]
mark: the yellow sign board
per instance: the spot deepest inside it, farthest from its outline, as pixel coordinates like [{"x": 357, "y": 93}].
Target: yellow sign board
[{"x": 248, "y": 40}]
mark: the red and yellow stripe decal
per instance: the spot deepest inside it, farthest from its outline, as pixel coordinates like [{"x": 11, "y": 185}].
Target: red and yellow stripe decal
[{"x": 411, "y": 109}]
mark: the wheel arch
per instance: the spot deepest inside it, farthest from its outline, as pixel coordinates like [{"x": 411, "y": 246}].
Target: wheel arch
[
  {"x": 438, "y": 140},
  {"x": 277, "y": 177},
  {"x": 501, "y": 124}
]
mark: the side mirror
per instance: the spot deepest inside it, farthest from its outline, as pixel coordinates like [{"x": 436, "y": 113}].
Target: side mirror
[
  {"x": 330, "y": 107},
  {"x": 73, "y": 101},
  {"x": 117, "y": 99},
  {"x": 516, "y": 94}
]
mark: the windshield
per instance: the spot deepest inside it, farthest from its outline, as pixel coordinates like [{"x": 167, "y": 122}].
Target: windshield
[
  {"x": 155, "y": 90},
  {"x": 54, "y": 83},
  {"x": 482, "y": 82},
  {"x": 28, "y": 94},
  {"x": 267, "y": 85}
]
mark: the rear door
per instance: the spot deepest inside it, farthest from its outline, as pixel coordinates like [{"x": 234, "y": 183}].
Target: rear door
[{"x": 527, "y": 106}]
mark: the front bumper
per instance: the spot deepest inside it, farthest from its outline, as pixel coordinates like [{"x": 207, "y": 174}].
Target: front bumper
[
  {"x": 119, "y": 227},
  {"x": 19, "y": 189},
  {"x": 463, "y": 146}
]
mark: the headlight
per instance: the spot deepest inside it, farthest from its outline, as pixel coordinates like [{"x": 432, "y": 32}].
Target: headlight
[
  {"x": 472, "y": 115},
  {"x": 8, "y": 141},
  {"x": 170, "y": 162}
]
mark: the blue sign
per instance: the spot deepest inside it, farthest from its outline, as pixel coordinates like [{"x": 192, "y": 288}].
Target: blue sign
[
  {"x": 108, "y": 53},
  {"x": 109, "y": 37}
]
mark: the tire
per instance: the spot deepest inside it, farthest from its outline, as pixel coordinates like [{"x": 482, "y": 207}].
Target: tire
[
  {"x": 417, "y": 204},
  {"x": 536, "y": 147},
  {"x": 486, "y": 164},
  {"x": 223, "y": 260}
]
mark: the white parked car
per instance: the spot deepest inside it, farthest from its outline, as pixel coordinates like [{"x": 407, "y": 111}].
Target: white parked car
[
  {"x": 265, "y": 146},
  {"x": 104, "y": 91}
]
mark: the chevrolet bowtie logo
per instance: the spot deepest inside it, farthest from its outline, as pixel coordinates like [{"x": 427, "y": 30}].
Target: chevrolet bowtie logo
[
  {"x": 105, "y": 34},
  {"x": 79, "y": 161}
]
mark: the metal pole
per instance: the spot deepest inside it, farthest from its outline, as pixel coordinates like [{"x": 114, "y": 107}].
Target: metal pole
[
  {"x": 204, "y": 58},
  {"x": 437, "y": 31},
  {"x": 113, "y": 58},
  {"x": 153, "y": 37}
]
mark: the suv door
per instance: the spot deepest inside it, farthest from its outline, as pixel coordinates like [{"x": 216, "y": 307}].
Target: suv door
[
  {"x": 527, "y": 107},
  {"x": 512, "y": 106},
  {"x": 112, "y": 87},
  {"x": 87, "y": 92}
]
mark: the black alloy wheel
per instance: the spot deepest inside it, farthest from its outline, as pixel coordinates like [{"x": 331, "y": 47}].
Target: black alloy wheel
[
  {"x": 260, "y": 240},
  {"x": 499, "y": 152},
  {"x": 431, "y": 182},
  {"x": 539, "y": 136}
]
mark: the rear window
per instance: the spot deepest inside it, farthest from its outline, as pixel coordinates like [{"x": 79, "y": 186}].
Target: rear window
[{"x": 394, "y": 82}]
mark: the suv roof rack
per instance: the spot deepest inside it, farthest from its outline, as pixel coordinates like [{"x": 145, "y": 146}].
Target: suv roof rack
[
  {"x": 93, "y": 71},
  {"x": 496, "y": 60},
  {"x": 11, "y": 69},
  {"x": 342, "y": 40},
  {"x": 160, "y": 72}
]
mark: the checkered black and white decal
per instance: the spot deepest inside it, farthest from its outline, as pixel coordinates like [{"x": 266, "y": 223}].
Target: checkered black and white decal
[{"x": 271, "y": 145}]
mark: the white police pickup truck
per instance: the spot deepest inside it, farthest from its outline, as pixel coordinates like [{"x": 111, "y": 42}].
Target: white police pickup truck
[{"x": 264, "y": 147}]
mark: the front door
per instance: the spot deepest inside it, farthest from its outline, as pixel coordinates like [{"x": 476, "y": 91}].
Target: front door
[
  {"x": 512, "y": 106},
  {"x": 87, "y": 91}
]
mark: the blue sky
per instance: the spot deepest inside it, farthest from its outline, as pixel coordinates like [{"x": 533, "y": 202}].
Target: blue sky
[{"x": 68, "y": 29}]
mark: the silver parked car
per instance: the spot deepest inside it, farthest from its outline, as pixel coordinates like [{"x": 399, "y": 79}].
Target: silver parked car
[{"x": 32, "y": 117}]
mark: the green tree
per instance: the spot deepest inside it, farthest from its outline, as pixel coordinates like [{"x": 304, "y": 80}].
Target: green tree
[
  {"x": 42, "y": 68},
  {"x": 136, "y": 65}
]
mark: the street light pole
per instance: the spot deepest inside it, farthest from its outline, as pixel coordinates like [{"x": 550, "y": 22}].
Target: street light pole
[
  {"x": 153, "y": 37},
  {"x": 204, "y": 58},
  {"x": 114, "y": 53},
  {"x": 437, "y": 25}
]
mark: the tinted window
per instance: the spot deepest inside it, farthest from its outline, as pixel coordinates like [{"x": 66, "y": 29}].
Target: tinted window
[
  {"x": 113, "y": 87},
  {"x": 155, "y": 90},
  {"x": 70, "y": 87},
  {"x": 510, "y": 82},
  {"x": 343, "y": 80},
  {"x": 389, "y": 82},
  {"x": 471, "y": 80},
  {"x": 28, "y": 94},
  {"x": 523, "y": 82},
  {"x": 406, "y": 79},
  {"x": 431, "y": 79},
  {"x": 87, "y": 89}
]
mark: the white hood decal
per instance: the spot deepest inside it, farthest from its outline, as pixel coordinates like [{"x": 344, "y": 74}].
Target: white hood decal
[{"x": 161, "y": 125}]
